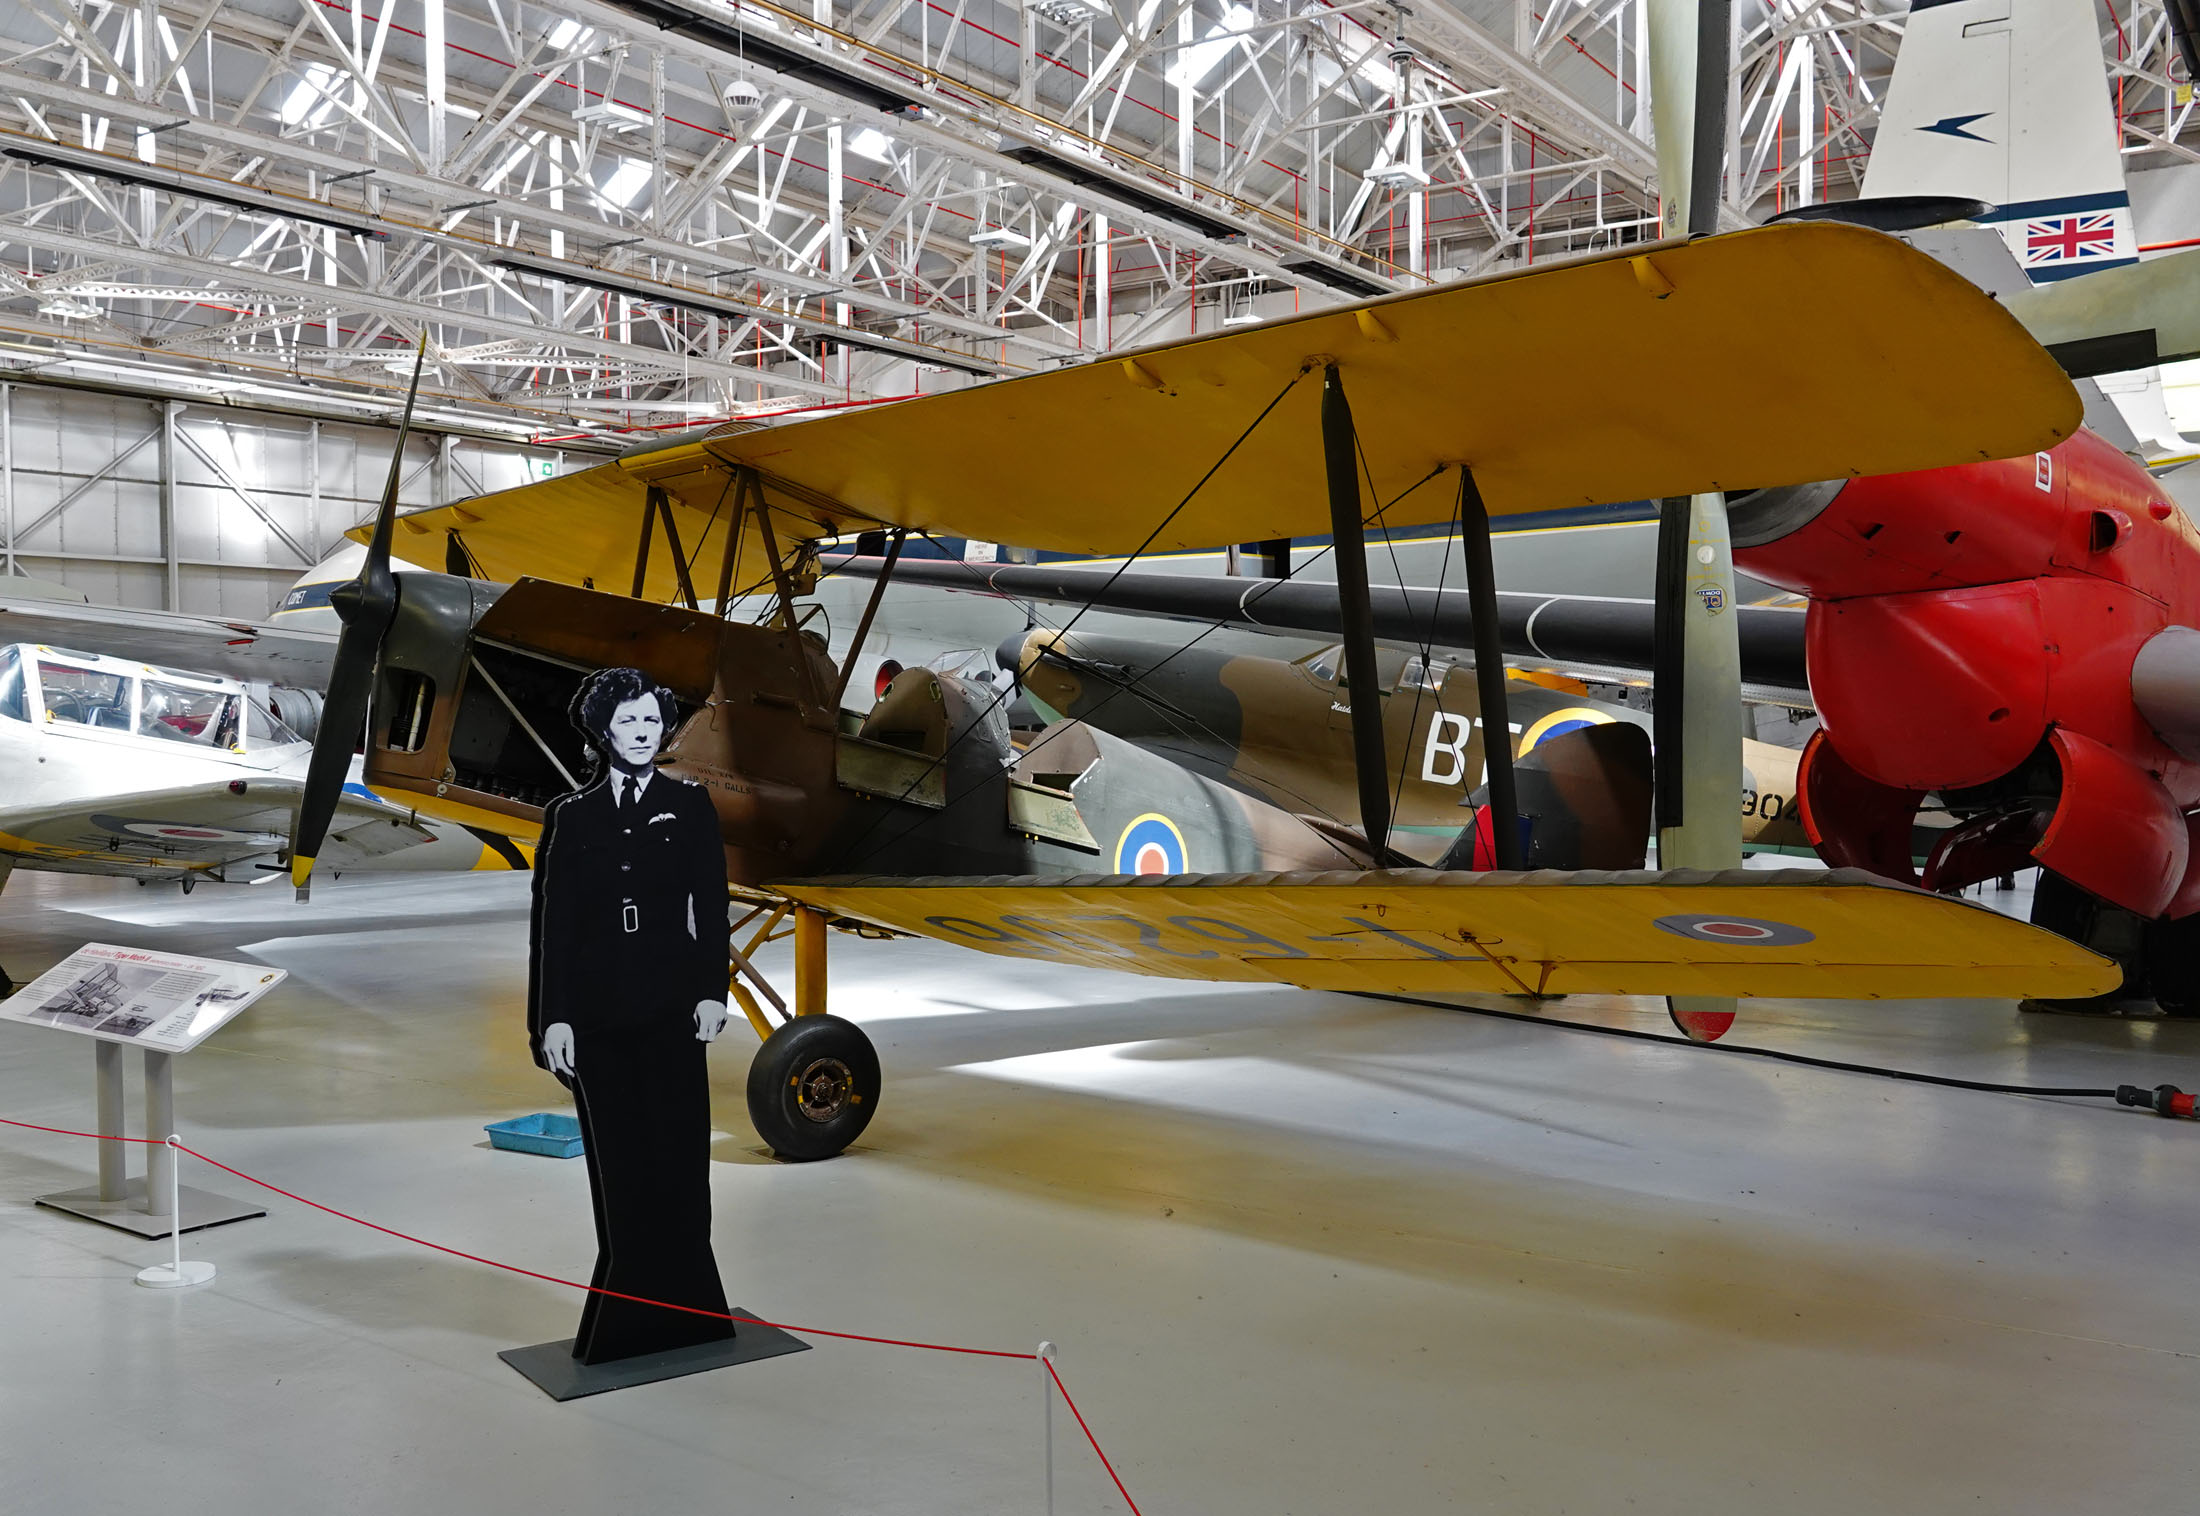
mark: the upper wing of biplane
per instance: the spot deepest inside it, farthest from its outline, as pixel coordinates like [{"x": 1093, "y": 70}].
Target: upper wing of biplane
[
  {"x": 1771, "y": 356},
  {"x": 1842, "y": 934}
]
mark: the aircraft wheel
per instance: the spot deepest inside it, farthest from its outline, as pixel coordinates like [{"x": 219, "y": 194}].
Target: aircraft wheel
[{"x": 812, "y": 1087}]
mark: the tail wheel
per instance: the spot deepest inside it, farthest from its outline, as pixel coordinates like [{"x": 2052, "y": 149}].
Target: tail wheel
[
  {"x": 813, "y": 1086},
  {"x": 1701, "y": 1018}
]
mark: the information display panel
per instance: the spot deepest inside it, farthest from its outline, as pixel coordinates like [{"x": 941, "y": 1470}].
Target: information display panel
[{"x": 159, "y": 1001}]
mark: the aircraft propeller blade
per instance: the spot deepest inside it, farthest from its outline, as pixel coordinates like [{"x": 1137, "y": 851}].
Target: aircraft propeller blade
[{"x": 366, "y": 606}]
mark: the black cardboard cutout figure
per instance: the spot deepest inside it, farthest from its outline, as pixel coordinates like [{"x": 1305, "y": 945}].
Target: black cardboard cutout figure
[{"x": 626, "y": 986}]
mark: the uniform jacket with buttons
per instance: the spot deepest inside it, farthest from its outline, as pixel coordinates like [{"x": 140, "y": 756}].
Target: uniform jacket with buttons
[{"x": 629, "y": 922}]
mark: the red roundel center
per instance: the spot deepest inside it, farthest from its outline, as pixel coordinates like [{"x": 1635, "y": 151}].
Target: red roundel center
[
  {"x": 1737, "y": 929},
  {"x": 1151, "y": 860}
]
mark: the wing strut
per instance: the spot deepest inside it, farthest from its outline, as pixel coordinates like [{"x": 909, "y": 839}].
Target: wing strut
[
  {"x": 1340, "y": 456},
  {"x": 1489, "y": 672},
  {"x": 870, "y": 610}
]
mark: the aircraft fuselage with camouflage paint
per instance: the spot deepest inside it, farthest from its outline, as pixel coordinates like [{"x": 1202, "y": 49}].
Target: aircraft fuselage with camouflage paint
[{"x": 1282, "y": 730}]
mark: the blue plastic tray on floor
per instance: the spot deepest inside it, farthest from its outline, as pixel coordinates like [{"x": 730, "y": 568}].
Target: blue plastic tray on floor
[{"x": 551, "y": 1136}]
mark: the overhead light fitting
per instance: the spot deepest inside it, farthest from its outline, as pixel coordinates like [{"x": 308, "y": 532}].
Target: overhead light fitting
[
  {"x": 744, "y": 101},
  {"x": 998, "y": 236},
  {"x": 198, "y": 186},
  {"x": 1398, "y": 176},
  {"x": 612, "y": 116},
  {"x": 1069, "y": 13}
]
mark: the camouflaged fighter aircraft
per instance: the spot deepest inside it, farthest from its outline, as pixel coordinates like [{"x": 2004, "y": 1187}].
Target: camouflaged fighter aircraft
[
  {"x": 1282, "y": 730},
  {"x": 1081, "y": 850}
]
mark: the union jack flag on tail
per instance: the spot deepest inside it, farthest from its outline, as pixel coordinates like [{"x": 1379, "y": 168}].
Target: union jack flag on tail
[{"x": 2069, "y": 239}]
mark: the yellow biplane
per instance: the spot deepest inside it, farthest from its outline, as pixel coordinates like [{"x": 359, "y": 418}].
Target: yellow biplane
[{"x": 1764, "y": 357}]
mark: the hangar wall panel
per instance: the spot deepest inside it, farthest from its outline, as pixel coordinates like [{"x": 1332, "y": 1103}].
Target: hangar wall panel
[{"x": 252, "y": 499}]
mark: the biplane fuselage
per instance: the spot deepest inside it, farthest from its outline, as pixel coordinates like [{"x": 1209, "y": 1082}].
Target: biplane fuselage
[{"x": 474, "y": 728}]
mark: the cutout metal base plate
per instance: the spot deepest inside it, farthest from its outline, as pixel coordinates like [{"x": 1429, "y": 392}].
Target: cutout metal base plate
[
  {"x": 201, "y": 1209},
  {"x": 557, "y": 1373}
]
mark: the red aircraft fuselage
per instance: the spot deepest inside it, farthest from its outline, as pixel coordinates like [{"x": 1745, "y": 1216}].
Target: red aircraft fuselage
[{"x": 2013, "y": 636}]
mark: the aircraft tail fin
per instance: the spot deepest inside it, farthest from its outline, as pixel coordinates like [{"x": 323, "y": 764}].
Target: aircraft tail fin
[
  {"x": 2007, "y": 101},
  {"x": 1584, "y": 799}
]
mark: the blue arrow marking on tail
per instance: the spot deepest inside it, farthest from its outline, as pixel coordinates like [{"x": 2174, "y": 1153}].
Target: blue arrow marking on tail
[{"x": 1953, "y": 126}]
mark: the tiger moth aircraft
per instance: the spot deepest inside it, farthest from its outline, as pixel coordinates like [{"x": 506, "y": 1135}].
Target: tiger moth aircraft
[{"x": 923, "y": 816}]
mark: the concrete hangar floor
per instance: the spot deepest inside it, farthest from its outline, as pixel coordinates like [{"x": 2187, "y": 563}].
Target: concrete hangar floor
[{"x": 1301, "y": 1253}]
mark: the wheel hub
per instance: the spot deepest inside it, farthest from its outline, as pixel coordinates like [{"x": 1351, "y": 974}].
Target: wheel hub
[{"x": 823, "y": 1088}]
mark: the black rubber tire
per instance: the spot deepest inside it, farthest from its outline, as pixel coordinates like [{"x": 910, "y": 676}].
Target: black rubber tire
[{"x": 812, "y": 1087}]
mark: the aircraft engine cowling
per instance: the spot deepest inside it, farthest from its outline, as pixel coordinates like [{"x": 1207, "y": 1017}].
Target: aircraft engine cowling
[
  {"x": 1975, "y": 523},
  {"x": 2016, "y": 637},
  {"x": 1932, "y": 689}
]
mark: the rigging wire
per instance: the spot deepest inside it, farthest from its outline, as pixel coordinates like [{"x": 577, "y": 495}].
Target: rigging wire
[
  {"x": 1000, "y": 698},
  {"x": 1130, "y": 687}
]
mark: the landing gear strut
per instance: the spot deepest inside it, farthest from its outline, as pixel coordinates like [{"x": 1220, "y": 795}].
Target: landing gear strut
[{"x": 815, "y": 1082}]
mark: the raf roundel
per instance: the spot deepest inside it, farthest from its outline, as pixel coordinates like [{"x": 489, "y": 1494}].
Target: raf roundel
[
  {"x": 1150, "y": 845},
  {"x": 1735, "y": 931}
]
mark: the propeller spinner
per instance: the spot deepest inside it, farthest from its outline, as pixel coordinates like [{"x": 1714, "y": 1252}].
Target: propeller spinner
[{"x": 366, "y": 606}]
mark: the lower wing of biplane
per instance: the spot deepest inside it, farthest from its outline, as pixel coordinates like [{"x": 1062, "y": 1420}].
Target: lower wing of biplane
[{"x": 1793, "y": 933}]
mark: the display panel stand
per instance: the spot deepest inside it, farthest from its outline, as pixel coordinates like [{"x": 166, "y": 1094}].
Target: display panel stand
[
  {"x": 143, "y": 1205},
  {"x": 558, "y": 1374}
]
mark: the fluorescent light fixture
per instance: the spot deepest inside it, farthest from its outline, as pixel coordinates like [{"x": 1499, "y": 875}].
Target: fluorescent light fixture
[
  {"x": 1069, "y": 13},
  {"x": 627, "y": 181},
  {"x": 612, "y": 116},
  {"x": 1202, "y": 58},
  {"x": 1398, "y": 176},
  {"x": 66, "y": 308},
  {"x": 873, "y": 144},
  {"x": 998, "y": 236}
]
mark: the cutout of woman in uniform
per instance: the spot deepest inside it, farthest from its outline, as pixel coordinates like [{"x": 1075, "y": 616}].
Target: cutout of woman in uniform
[{"x": 626, "y": 988}]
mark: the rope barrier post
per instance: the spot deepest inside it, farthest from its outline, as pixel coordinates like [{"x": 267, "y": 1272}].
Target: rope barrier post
[
  {"x": 174, "y": 1274},
  {"x": 1045, "y": 1356}
]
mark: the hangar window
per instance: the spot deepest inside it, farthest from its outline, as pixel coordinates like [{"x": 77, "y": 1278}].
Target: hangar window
[
  {"x": 178, "y": 713},
  {"x": 12, "y": 702},
  {"x": 84, "y": 697}
]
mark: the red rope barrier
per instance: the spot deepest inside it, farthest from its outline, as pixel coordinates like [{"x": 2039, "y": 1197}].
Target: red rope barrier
[
  {"x": 1055, "y": 1375},
  {"x": 574, "y": 1284},
  {"x": 32, "y": 1126}
]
